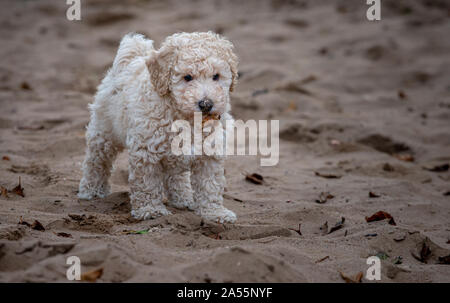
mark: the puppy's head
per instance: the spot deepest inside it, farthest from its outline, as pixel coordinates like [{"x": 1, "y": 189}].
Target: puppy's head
[{"x": 197, "y": 71}]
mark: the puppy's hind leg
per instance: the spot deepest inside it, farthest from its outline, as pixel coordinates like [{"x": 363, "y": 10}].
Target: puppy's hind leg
[{"x": 97, "y": 165}]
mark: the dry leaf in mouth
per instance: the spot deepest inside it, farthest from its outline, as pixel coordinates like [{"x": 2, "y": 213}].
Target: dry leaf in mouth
[
  {"x": 92, "y": 276},
  {"x": 381, "y": 215},
  {"x": 254, "y": 178},
  {"x": 327, "y": 176},
  {"x": 324, "y": 197},
  {"x": 206, "y": 118},
  {"x": 18, "y": 190},
  {"x": 356, "y": 279}
]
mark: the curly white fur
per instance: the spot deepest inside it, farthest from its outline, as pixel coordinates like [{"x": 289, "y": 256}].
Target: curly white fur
[{"x": 135, "y": 105}]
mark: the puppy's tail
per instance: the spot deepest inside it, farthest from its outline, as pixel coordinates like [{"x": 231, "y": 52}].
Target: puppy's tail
[{"x": 132, "y": 45}]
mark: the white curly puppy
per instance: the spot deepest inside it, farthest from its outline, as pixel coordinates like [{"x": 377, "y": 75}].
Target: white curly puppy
[{"x": 135, "y": 105}]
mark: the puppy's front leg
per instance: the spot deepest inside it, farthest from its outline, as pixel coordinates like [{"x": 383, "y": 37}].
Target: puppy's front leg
[
  {"x": 208, "y": 182},
  {"x": 147, "y": 193}
]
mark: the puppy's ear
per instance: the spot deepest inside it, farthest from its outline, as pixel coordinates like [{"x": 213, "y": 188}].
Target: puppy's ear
[
  {"x": 160, "y": 68},
  {"x": 234, "y": 70},
  {"x": 233, "y": 61}
]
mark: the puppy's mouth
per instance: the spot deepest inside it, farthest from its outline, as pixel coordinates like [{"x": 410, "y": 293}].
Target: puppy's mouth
[{"x": 210, "y": 116}]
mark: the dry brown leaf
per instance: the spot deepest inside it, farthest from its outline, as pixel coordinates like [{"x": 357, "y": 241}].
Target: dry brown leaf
[
  {"x": 37, "y": 226},
  {"x": 356, "y": 279},
  {"x": 425, "y": 253},
  {"x": 255, "y": 178},
  {"x": 18, "y": 190},
  {"x": 209, "y": 117},
  {"x": 298, "y": 231},
  {"x": 63, "y": 234},
  {"x": 404, "y": 157},
  {"x": 3, "y": 192},
  {"x": 6, "y": 158},
  {"x": 92, "y": 276},
  {"x": 324, "y": 197},
  {"x": 337, "y": 226},
  {"x": 322, "y": 259},
  {"x": 381, "y": 215},
  {"x": 373, "y": 195},
  {"x": 327, "y": 176}
]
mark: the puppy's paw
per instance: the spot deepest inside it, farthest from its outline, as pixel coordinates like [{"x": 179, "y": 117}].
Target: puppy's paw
[
  {"x": 88, "y": 192},
  {"x": 149, "y": 212},
  {"x": 183, "y": 204},
  {"x": 219, "y": 215}
]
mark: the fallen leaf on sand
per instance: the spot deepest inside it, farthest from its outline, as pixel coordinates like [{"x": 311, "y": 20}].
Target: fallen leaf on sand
[
  {"x": 404, "y": 157},
  {"x": 37, "y": 226},
  {"x": 327, "y": 176},
  {"x": 324, "y": 197},
  {"x": 30, "y": 127},
  {"x": 18, "y": 190},
  {"x": 324, "y": 228},
  {"x": 63, "y": 234},
  {"x": 292, "y": 106},
  {"x": 254, "y": 178},
  {"x": 92, "y": 276},
  {"x": 381, "y": 215},
  {"x": 337, "y": 226},
  {"x": 3, "y": 192},
  {"x": 401, "y": 94},
  {"x": 24, "y": 85},
  {"x": 438, "y": 168},
  {"x": 382, "y": 255},
  {"x": 6, "y": 158},
  {"x": 22, "y": 222},
  {"x": 227, "y": 196},
  {"x": 424, "y": 253},
  {"x": 322, "y": 259},
  {"x": 373, "y": 195},
  {"x": 356, "y": 279},
  {"x": 299, "y": 229},
  {"x": 444, "y": 260},
  {"x": 134, "y": 232}
]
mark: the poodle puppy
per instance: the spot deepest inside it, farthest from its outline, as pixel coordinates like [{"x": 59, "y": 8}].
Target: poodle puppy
[{"x": 142, "y": 94}]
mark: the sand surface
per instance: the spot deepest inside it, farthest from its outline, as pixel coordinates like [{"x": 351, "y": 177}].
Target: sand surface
[{"x": 355, "y": 99}]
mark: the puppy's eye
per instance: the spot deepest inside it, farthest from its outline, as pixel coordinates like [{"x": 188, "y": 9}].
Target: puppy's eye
[
  {"x": 216, "y": 77},
  {"x": 188, "y": 78}
]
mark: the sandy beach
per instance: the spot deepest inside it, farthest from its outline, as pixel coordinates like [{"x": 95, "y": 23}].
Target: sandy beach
[{"x": 364, "y": 113}]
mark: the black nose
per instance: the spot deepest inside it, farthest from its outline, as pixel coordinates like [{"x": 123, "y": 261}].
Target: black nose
[{"x": 205, "y": 105}]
